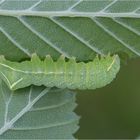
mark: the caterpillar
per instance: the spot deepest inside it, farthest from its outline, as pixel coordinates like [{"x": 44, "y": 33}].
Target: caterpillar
[{"x": 61, "y": 73}]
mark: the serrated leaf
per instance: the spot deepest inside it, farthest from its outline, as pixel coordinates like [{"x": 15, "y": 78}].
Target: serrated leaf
[
  {"x": 37, "y": 113},
  {"x": 79, "y": 28}
]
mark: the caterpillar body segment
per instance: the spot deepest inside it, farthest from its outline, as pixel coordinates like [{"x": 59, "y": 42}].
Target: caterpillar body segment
[{"x": 61, "y": 73}]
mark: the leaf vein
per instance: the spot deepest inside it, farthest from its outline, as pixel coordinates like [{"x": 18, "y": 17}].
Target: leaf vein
[
  {"x": 42, "y": 37},
  {"x": 46, "y": 127},
  {"x": 17, "y": 13},
  {"x": 126, "y": 26},
  {"x": 114, "y": 36},
  {"x": 51, "y": 107},
  {"x": 74, "y": 5},
  {"x": 77, "y": 37},
  {"x": 1, "y": 2},
  {"x": 35, "y": 5},
  {"x": 108, "y": 6},
  {"x": 14, "y": 42},
  {"x": 9, "y": 124}
]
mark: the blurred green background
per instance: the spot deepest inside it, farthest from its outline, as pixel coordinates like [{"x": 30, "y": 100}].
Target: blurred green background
[{"x": 112, "y": 111}]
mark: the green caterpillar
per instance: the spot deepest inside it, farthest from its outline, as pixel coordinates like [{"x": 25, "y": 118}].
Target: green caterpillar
[{"x": 61, "y": 73}]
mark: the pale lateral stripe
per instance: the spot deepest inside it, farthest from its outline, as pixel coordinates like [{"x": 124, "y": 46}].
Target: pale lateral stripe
[
  {"x": 108, "y": 69},
  {"x": 34, "y": 5},
  {"x": 29, "y": 72},
  {"x": 17, "y": 70},
  {"x": 6, "y": 78},
  {"x": 77, "y": 37},
  {"x": 74, "y": 5},
  {"x": 15, "y": 83},
  {"x": 9, "y": 124},
  {"x": 114, "y": 36},
  {"x": 46, "y": 127},
  {"x": 14, "y": 42},
  {"x": 108, "y": 6},
  {"x": 42, "y": 37},
  {"x": 127, "y": 26},
  {"x": 17, "y": 13}
]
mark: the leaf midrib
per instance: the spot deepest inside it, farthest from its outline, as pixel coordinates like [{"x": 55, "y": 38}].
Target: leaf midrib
[{"x": 17, "y": 13}]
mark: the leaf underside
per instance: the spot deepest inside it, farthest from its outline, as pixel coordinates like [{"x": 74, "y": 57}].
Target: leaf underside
[
  {"x": 70, "y": 27},
  {"x": 37, "y": 113},
  {"x": 79, "y": 28}
]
